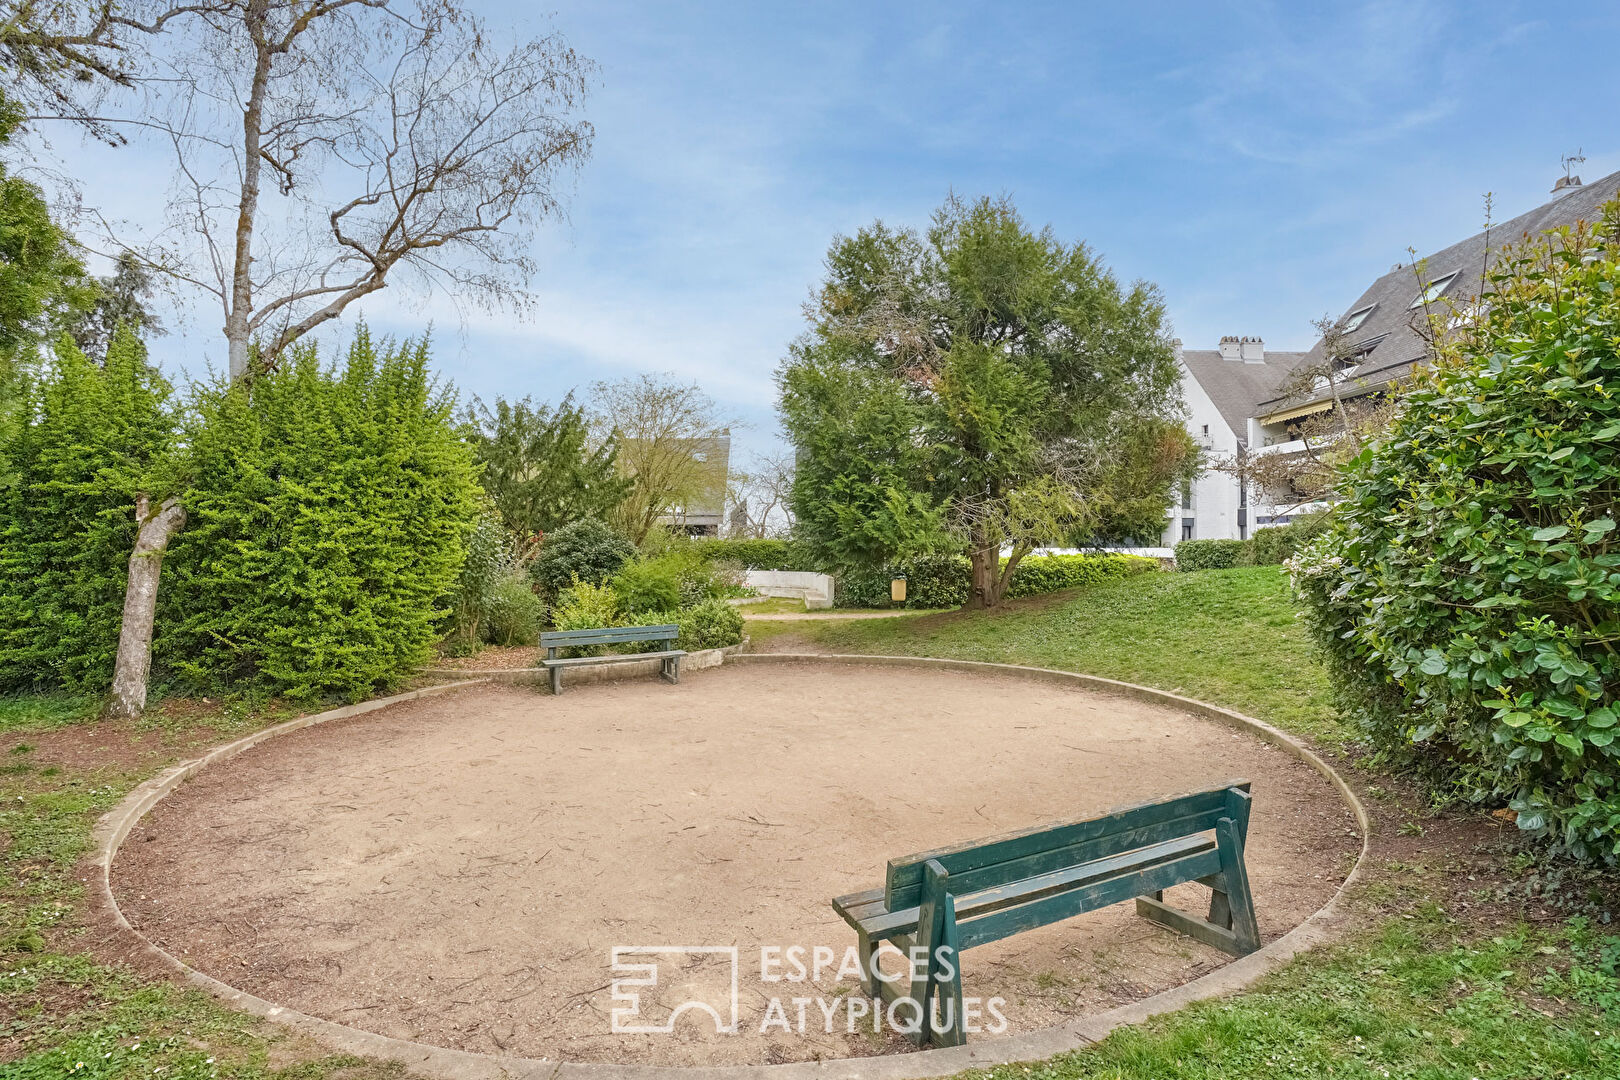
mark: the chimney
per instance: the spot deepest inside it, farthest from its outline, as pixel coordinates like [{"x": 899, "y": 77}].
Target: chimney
[
  {"x": 1253, "y": 350},
  {"x": 1565, "y": 185},
  {"x": 1231, "y": 348}
]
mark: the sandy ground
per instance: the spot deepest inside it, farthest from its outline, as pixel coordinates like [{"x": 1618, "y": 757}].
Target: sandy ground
[{"x": 456, "y": 870}]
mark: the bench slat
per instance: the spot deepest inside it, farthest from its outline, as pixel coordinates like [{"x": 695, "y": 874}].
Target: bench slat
[
  {"x": 609, "y": 635},
  {"x": 883, "y": 924},
  {"x": 1059, "y": 858},
  {"x": 615, "y": 658},
  {"x": 904, "y": 875},
  {"x": 1062, "y": 905}
]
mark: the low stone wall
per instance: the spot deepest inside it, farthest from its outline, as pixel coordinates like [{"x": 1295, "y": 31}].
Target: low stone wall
[{"x": 816, "y": 590}]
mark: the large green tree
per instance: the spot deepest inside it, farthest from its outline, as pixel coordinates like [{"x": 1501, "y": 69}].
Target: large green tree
[
  {"x": 542, "y": 467},
  {"x": 979, "y": 387}
]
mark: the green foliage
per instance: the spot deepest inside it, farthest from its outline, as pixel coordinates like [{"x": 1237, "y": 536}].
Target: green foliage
[
  {"x": 515, "y": 614},
  {"x": 43, "y": 284},
  {"x": 584, "y": 550},
  {"x": 586, "y": 605},
  {"x": 1211, "y": 554},
  {"x": 1049, "y": 573},
  {"x": 1467, "y": 597},
  {"x": 710, "y": 624},
  {"x": 327, "y": 520},
  {"x": 91, "y": 437},
  {"x": 1276, "y": 544},
  {"x": 941, "y": 581},
  {"x": 757, "y": 554},
  {"x": 482, "y": 570},
  {"x": 648, "y": 585},
  {"x": 979, "y": 387},
  {"x": 542, "y": 469}
]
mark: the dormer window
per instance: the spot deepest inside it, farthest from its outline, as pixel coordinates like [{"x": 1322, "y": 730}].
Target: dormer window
[
  {"x": 1353, "y": 321},
  {"x": 1434, "y": 290}
]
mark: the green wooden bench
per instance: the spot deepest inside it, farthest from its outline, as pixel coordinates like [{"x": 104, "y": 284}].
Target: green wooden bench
[
  {"x": 971, "y": 894},
  {"x": 553, "y": 640}
]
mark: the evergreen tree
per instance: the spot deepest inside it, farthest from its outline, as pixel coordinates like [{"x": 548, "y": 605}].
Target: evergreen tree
[
  {"x": 89, "y": 438},
  {"x": 542, "y": 469}
]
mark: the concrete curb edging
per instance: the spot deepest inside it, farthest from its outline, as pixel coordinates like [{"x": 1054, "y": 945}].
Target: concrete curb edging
[{"x": 448, "y": 1064}]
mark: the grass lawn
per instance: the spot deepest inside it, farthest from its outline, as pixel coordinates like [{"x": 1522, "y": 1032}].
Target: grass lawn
[
  {"x": 1228, "y": 637},
  {"x": 1467, "y": 966}
]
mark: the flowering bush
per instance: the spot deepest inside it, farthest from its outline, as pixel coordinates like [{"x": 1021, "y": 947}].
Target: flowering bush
[{"x": 1467, "y": 596}]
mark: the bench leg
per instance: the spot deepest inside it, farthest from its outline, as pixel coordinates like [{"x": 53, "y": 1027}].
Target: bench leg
[
  {"x": 950, "y": 1031},
  {"x": 672, "y": 669},
  {"x": 1245, "y": 928},
  {"x": 930, "y": 927},
  {"x": 867, "y": 948},
  {"x": 556, "y": 680}
]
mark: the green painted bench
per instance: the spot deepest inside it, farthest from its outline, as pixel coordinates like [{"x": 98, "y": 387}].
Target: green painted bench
[
  {"x": 975, "y": 893},
  {"x": 553, "y": 640}
]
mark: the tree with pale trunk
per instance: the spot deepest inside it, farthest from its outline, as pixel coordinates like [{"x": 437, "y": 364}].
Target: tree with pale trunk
[
  {"x": 324, "y": 150},
  {"x": 982, "y": 388},
  {"x": 668, "y": 433}
]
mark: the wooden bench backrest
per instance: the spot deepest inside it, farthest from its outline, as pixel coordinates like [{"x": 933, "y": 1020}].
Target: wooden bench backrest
[
  {"x": 1017, "y": 856},
  {"x": 572, "y": 639}
]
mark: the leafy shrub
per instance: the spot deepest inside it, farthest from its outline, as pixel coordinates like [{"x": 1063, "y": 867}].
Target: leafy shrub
[
  {"x": 1467, "y": 596},
  {"x": 1210, "y": 554},
  {"x": 586, "y": 550},
  {"x": 944, "y": 580},
  {"x": 585, "y": 606},
  {"x": 712, "y": 624},
  {"x": 481, "y": 573},
  {"x": 647, "y": 585},
  {"x": 327, "y": 522},
  {"x": 756, "y": 554},
  {"x": 88, "y": 438},
  {"x": 1276, "y": 544},
  {"x": 1049, "y": 573},
  {"x": 514, "y": 613}
]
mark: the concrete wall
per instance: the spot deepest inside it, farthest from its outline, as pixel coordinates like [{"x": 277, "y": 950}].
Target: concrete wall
[{"x": 816, "y": 590}]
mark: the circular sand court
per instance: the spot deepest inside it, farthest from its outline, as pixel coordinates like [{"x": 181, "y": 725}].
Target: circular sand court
[{"x": 457, "y": 869}]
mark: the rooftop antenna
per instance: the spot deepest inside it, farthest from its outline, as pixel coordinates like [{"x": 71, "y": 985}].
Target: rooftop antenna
[{"x": 1569, "y": 179}]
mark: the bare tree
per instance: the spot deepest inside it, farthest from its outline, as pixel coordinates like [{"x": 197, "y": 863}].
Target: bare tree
[
  {"x": 758, "y": 497},
  {"x": 1327, "y": 438},
  {"x": 59, "y": 56},
  {"x": 324, "y": 149},
  {"x": 668, "y": 434}
]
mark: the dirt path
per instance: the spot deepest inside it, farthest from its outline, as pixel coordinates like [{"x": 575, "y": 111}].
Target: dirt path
[{"x": 457, "y": 869}]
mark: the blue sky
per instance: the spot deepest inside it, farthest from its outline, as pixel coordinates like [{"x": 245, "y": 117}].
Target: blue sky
[{"x": 1261, "y": 163}]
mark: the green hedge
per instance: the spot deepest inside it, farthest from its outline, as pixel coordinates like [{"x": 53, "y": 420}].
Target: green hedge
[
  {"x": 756, "y": 554},
  {"x": 327, "y": 524},
  {"x": 944, "y": 581},
  {"x": 1276, "y": 544},
  {"x": 1467, "y": 597},
  {"x": 88, "y": 439},
  {"x": 1211, "y": 554}
]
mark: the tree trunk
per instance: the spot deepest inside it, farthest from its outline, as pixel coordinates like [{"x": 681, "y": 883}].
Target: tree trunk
[
  {"x": 134, "y": 661},
  {"x": 982, "y": 592}
]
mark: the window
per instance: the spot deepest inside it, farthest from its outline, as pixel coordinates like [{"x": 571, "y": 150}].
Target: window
[
  {"x": 1435, "y": 289},
  {"x": 1186, "y": 530},
  {"x": 1206, "y": 429},
  {"x": 1354, "y": 320},
  {"x": 1186, "y": 496}
]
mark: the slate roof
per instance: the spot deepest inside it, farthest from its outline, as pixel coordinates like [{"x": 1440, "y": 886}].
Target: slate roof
[
  {"x": 1390, "y": 324},
  {"x": 1237, "y": 387}
]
